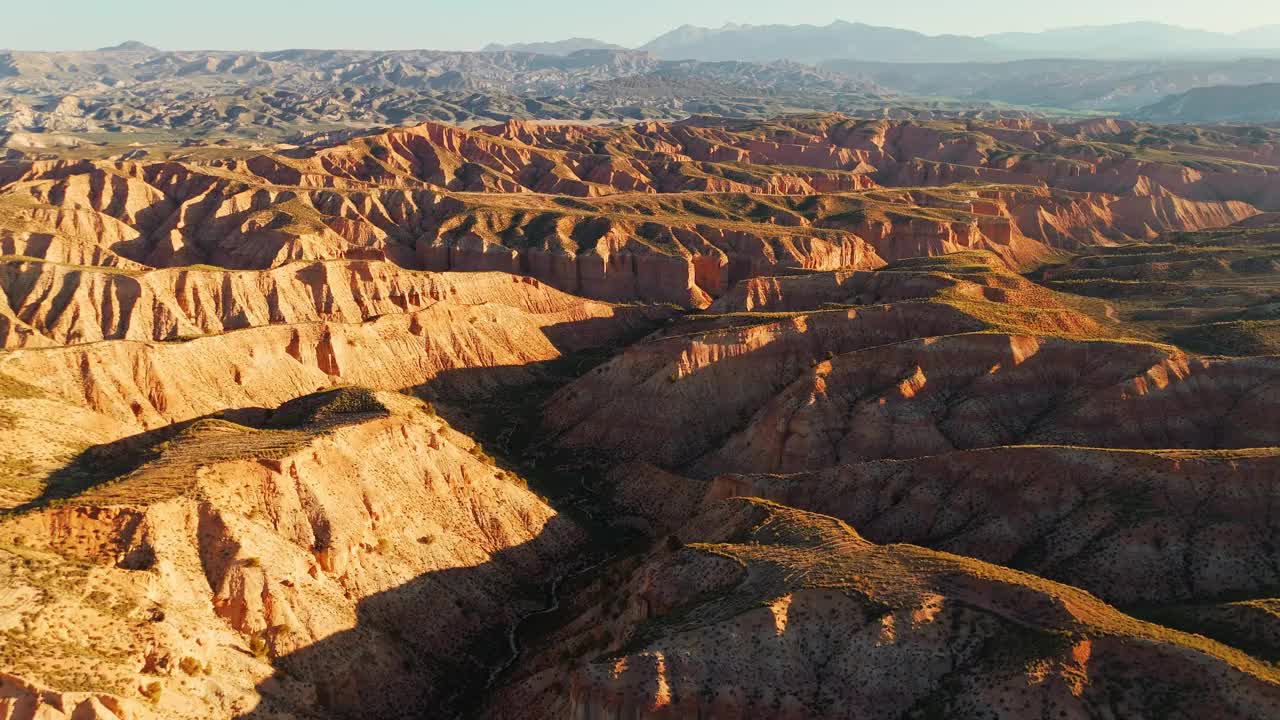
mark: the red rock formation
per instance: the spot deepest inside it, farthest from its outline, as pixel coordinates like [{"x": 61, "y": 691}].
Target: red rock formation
[
  {"x": 717, "y": 374},
  {"x": 483, "y": 330},
  {"x": 924, "y": 397},
  {"x": 403, "y": 195},
  {"x": 710, "y": 383},
  {"x": 67, "y": 305},
  {"x": 340, "y": 552}
]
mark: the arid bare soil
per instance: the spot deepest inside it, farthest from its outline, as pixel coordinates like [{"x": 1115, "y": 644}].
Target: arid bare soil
[{"x": 810, "y": 417}]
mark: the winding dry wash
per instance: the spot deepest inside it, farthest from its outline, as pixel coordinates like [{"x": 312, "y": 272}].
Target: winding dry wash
[{"x": 935, "y": 414}]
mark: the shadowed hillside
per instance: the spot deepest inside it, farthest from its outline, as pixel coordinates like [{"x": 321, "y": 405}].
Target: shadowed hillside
[{"x": 807, "y": 417}]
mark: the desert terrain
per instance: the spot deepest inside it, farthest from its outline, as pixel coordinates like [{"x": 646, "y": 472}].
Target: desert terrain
[{"x": 911, "y": 414}]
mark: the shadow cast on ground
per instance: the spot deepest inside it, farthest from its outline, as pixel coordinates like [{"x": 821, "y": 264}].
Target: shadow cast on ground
[{"x": 424, "y": 650}]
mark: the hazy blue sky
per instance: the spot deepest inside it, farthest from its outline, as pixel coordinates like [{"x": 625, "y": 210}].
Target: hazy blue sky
[{"x": 469, "y": 24}]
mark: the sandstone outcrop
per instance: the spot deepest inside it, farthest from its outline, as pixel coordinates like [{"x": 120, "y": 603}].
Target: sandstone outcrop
[
  {"x": 925, "y": 397},
  {"x": 919, "y": 358},
  {"x": 350, "y": 518},
  {"x": 56, "y": 304},
  {"x": 481, "y": 331},
  {"x": 666, "y": 212},
  {"x": 715, "y": 373},
  {"x": 1030, "y": 363}
]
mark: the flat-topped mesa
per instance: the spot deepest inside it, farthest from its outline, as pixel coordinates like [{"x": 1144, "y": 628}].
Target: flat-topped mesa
[{"x": 236, "y": 550}]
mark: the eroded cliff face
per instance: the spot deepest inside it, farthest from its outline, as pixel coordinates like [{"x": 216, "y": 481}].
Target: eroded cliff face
[
  {"x": 275, "y": 336},
  {"x": 925, "y": 397},
  {"x": 904, "y": 399},
  {"x": 714, "y": 380},
  {"x": 676, "y": 212},
  {"x": 352, "y": 557},
  {"x": 236, "y": 544},
  {"x": 1136, "y": 528},
  {"x": 53, "y": 304},
  {"x": 739, "y": 374},
  {"x": 218, "y": 502},
  {"x": 940, "y": 402},
  {"x": 920, "y": 358},
  {"x": 738, "y": 619}
]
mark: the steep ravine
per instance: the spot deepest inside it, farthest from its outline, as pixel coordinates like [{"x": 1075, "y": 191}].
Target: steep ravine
[
  {"x": 298, "y": 567},
  {"x": 283, "y": 569},
  {"x": 511, "y": 430},
  {"x": 673, "y": 630}
]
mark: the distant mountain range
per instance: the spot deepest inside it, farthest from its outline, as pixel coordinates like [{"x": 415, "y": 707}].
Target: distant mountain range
[
  {"x": 813, "y": 44},
  {"x": 1088, "y": 86},
  {"x": 63, "y": 98},
  {"x": 1240, "y": 103},
  {"x": 559, "y": 47},
  {"x": 1158, "y": 72},
  {"x": 842, "y": 40},
  {"x": 1136, "y": 40},
  {"x": 130, "y": 46},
  {"x": 1162, "y": 72}
]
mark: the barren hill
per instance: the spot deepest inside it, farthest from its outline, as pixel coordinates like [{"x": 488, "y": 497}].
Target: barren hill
[
  {"x": 740, "y": 616},
  {"x": 674, "y": 212},
  {"x": 911, "y": 360},
  {"x": 1247, "y": 103},
  {"x": 239, "y": 545},
  {"x": 813, "y": 416}
]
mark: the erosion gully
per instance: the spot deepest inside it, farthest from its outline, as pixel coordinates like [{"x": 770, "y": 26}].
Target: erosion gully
[{"x": 509, "y": 427}]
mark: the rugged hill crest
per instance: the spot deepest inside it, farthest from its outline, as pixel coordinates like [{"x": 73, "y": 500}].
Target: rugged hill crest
[
  {"x": 251, "y": 403},
  {"x": 656, "y": 212},
  {"x": 749, "y": 579},
  {"x": 237, "y": 545}
]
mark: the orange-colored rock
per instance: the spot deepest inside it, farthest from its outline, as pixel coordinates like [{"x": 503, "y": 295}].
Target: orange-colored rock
[
  {"x": 201, "y": 582},
  {"x": 483, "y": 331},
  {"x": 409, "y": 195},
  {"x": 204, "y": 515},
  {"x": 71, "y": 305},
  {"x": 710, "y": 383},
  {"x": 714, "y": 377},
  {"x": 924, "y": 397}
]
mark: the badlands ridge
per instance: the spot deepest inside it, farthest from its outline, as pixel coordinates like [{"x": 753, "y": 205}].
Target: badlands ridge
[{"x": 804, "y": 418}]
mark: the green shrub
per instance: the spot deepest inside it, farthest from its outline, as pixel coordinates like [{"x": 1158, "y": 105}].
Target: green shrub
[
  {"x": 152, "y": 690},
  {"x": 259, "y": 647}
]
